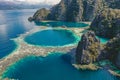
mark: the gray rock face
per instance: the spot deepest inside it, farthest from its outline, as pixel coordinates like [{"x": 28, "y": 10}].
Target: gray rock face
[
  {"x": 88, "y": 49},
  {"x": 107, "y": 23},
  {"x": 92, "y": 8},
  {"x": 40, "y": 15},
  {"x": 112, "y": 50},
  {"x": 58, "y": 12},
  {"x": 74, "y": 10},
  {"x": 67, "y": 10},
  {"x": 78, "y": 10}
]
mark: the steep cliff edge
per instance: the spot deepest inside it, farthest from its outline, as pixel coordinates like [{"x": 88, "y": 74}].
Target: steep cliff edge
[
  {"x": 112, "y": 50},
  {"x": 41, "y": 14},
  {"x": 78, "y": 10},
  {"x": 107, "y": 23},
  {"x": 88, "y": 49},
  {"x": 75, "y": 10}
]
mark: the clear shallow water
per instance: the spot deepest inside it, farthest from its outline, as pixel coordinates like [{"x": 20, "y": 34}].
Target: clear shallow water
[
  {"x": 52, "y": 37},
  {"x": 13, "y": 23},
  {"x": 103, "y": 40},
  {"x": 53, "y": 67},
  {"x": 60, "y": 23}
]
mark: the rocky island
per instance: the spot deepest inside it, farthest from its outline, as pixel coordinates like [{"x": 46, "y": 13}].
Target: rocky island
[
  {"x": 105, "y": 18},
  {"x": 88, "y": 49}
]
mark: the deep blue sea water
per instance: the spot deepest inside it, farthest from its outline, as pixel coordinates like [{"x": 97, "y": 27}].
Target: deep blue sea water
[
  {"x": 13, "y": 23},
  {"x": 53, "y": 67},
  {"x": 52, "y": 37}
]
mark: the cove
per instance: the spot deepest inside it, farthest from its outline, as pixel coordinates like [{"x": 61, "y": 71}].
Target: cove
[
  {"x": 52, "y": 67},
  {"x": 61, "y": 23},
  {"x": 52, "y": 37}
]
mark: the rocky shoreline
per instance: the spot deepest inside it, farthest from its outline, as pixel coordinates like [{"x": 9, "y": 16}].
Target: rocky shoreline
[
  {"x": 24, "y": 49},
  {"x": 105, "y": 18}
]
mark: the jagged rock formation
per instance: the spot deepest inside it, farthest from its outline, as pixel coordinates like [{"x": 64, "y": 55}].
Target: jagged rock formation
[
  {"x": 88, "y": 49},
  {"x": 112, "y": 50},
  {"x": 75, "y": 10},
  {"x": 78, "y": 10},
  {"x": 107, "y": 23},
  {"x": 41, "y": 14},
  {"x": 58, "y": 12},
  {"x": 92, "y": 8}
]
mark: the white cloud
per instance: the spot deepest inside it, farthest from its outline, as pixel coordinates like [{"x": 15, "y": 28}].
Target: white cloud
[{"x": 36, "y": 1}]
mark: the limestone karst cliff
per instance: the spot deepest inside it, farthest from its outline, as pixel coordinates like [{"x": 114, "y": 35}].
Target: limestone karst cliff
[
  {"x": 112, "y": 50},
  {"x": 41, "y": 14},
  {"x": 77, "y": 10},
  {"x": 88, "y": 49},
  {"x": 74, "y": 10},
  {"x": 107, "y": 23}
]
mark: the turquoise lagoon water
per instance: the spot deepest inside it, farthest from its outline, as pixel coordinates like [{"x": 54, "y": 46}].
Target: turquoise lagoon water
[
  {"x": 53, "y": 67},
  {"x": 52, "y": 37},
  {"x": 61, "y": 23},
  {"x": 15, "y": 22},
  {"x": 103, "y": 40}
]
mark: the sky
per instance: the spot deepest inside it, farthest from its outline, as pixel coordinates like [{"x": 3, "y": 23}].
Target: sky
[{"x": 37, "y": 1}]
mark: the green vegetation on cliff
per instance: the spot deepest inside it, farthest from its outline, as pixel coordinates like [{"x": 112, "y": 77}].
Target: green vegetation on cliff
[
  {"x": 112, "y": 48},
  {"x": 76, "y": 10},
  {"x": 73, "y": 11},
  {"x": 41, "y": 14},
  {"x": 88, "y": 49},
  {"x": 107, "y": 23}
]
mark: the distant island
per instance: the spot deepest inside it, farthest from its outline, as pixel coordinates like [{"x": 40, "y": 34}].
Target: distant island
[{"x": 104, "y": 16}]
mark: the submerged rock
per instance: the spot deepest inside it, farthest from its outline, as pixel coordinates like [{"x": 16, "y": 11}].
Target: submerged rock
[
  {"x": 107, "y": 23},
  {"x": 88, "y": 49}
]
